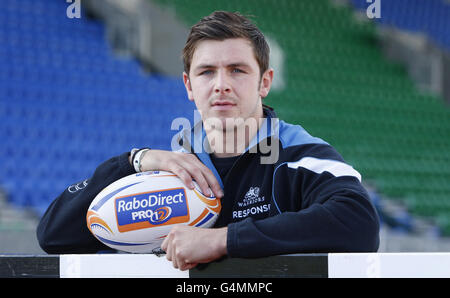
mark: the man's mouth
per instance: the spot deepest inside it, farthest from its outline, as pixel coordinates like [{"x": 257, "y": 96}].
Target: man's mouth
[{"x": 223, "y": 105}]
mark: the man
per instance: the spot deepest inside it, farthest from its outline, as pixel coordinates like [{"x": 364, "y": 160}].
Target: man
[{"x": 302, "y": 198}]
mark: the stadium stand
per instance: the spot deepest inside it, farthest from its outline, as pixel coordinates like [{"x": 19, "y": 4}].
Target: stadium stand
[
  {"x": 340, "y": 87},
  {"x": 67, "y": 103},
  {"x": 429, "y": 17}
]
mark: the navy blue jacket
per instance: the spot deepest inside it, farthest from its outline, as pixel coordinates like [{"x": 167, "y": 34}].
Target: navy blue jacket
[{"x": 302, "y": 198}]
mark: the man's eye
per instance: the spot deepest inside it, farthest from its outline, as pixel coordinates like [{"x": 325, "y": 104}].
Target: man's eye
[
  {"x": 206, "y": 72},
  {"x": 237, "y": 70}
]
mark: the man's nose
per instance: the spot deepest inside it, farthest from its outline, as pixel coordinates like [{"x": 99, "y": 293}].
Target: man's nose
[{"x": 222, "y": 83}]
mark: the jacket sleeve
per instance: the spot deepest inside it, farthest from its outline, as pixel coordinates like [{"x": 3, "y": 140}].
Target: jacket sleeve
[
  {"x": 328, "y": 211},
  {"x": 63, "y": 229}
]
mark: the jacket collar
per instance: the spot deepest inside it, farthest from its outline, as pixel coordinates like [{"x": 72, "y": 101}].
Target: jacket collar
[
  {"x": 193, "y": 141},
  {"x": 268, "y": 128}
]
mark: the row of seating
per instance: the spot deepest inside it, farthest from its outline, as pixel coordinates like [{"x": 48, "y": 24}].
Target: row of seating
[
  {"x": 431, "y": 17},
  {"x": 68, "y": 103},
  {"x": 340, "y": 88}
]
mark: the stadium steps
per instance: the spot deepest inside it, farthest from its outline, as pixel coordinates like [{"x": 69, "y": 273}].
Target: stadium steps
[
  {"x": 341, "y": 88},
  {"x": 17, "y": 229}
]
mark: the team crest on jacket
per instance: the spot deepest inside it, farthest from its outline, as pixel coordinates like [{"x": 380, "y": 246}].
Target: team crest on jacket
[
  {"x": 251, "y": 197},
  {"x": 253, "y": 204}
]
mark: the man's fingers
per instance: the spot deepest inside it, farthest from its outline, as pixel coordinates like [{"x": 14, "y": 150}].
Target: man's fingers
[
  {"x": 207, "y": 181},
  {"x": 174, "y": 258},
  {"x": 213, "y": 183},
  {"x": 164, "y": 244},
  {"x": 171, "y": 254},
  {"x": 188, "y": 168},
  {"x": 202, "y": 183},
  {"x": 188, "y": 266},
  {"x": 184, "y": 175}
]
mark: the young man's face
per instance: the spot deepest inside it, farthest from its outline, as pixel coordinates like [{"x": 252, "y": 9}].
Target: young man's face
[{"x": 224, "y": 80}]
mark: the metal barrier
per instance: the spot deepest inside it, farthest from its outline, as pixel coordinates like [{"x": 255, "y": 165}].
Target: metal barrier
[{"x": 333, "y": 265}]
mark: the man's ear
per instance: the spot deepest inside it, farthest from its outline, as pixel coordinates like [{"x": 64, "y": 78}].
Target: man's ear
[
  {"x": 266, "y": 83},
  {"x": 187, "y": 85}
]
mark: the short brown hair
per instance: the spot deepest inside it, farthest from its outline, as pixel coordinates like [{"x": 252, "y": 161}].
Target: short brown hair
[{"x": 221, "y": 25}]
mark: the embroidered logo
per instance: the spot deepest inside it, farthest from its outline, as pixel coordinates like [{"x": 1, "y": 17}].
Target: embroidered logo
[
  {"x": 251, "y": 197},
  {"x": 252, "y": 205}
]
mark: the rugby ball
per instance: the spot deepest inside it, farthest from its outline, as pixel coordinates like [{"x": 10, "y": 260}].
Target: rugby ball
[{"x": 134, "y": 214}]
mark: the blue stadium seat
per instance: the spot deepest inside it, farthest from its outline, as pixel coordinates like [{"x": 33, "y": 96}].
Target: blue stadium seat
[
  {"x": 430, "y": 17},
  {"x": 67, "y": 103}
]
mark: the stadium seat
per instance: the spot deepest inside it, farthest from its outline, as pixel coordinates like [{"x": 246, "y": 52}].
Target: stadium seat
[
  {"x": 68, "y": 103},
  {"x": 341, "y": 88},
  {"x": 431, "y": 17}
]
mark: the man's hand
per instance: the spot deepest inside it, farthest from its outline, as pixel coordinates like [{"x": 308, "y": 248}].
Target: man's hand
[
  {"x": 186, "y": 166},
  {"x": 188, "y": 246}
]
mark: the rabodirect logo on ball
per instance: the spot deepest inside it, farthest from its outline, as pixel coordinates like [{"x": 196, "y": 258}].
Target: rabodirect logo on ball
[{"x": 151, "y": 209}]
